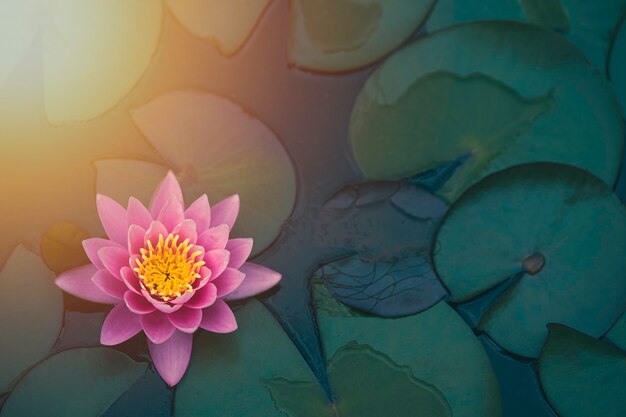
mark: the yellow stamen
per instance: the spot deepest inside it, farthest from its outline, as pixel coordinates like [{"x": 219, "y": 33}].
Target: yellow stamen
[{"x": 168, "y": 271}]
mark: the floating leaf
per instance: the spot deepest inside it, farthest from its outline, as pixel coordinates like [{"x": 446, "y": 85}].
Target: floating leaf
[
  {"x": 61, "y": 247},
  {"x": 390, "y": 227},
  {"x": 582, "y": 376},
  {"x": 215, "y": 148},
  {"x": 617, "y": 63},
  {"x": 561, "y": 226},
  {"x": 80, "y": 330},
  {"x": 342, "y": 35},
  {"x": 617, "y": 334},
  {"x": 226, "y": 25},
  {"x": 417, "y": 111},
  {"x": 73, "y": 383},
  {"x": 436, "y": 345},
  {"x": 366, "y": 383},
  {"x": 31, "y": 314},
  {"x": 148, "y": 396},
  {"x": 588, "y": 24}
]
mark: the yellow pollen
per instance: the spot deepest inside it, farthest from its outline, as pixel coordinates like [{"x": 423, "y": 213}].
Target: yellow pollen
[{"x": 168, "y": 270}]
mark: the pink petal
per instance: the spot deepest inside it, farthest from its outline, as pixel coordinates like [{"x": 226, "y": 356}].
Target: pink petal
[
  {"x": 186, "y": 319},
  {"x": 200, "y": 212},
  {"x": 131, "y": 280},
  {"x": 217, "y": 261},
  {"x": 155, "y": 230},
  {"x": 114, "y": 259},
  {"x": 93, "y": 245},
  {"x": 203, "y": 297},
  {"x": 186, "y": 230},
  {"x": 205, "y": 277},
  {"x": 109, "y": 284},
  {"x": 218, "y": 318},
  {"x": 239, "y": 251},
  {"x": 169, "y": 187},
  {"x": 182, "y": 299},
  {"x": 214, "y": 238},
  {"x": 137, "y": 304},
  {"x": 228, "y": 281},
  {"x": 119, "y": 326},
  {"x": 160, "y": 305},
  {"x": 157, "y": 327},
  {"x": 225, "y": 212},
  {"x": 171, "y": 358},
  {"x": 258, "y": 279},
  {"x": 113, "y": 218},
  {"x": 172, "y": 214},
  {"x": 78, "y": 282},
  {"x": 137, "y": 214},
  {"x": 136, "y": 235}
]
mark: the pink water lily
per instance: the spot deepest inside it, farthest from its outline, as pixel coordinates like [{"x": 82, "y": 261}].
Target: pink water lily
[{"x": 169, "y": 271}]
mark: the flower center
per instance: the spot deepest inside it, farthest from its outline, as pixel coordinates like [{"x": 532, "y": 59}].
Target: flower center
[{"x": 168, "y": 270}]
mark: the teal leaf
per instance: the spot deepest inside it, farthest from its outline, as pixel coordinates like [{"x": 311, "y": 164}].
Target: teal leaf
[
  {"x": 561, "y": 229},
  {"x": 617, "y": 63},
  {"x": 582, "y": 376},
  {"x": 418, "y": 111},
  {"x": 30, "y": 317},
  {"x": 73, "y": 383},
  {"x": 617, "y": 334}
]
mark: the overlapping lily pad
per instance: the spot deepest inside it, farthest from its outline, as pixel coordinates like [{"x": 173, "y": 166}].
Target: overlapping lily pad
[
  {"x": 562, "y": 227},
  {"x": 91, "y": 57},
  {"x": 215, "y": 148},
  {"x": 582, "y": 376},
  {"x": 617, "y": 63},
  {"x": 342, "y": 35},
  {"x": 31, "y": 314},
  {"x": 61, "y": 247},
  {"x": 74, "y": 383},
  {"x": 588, "y": 24},
  {"x": 617, "y": 334},
  {"x": 225, "y": 24},
  {"x": 409, "y": 378},
  {"x": 418, "y": 111}
]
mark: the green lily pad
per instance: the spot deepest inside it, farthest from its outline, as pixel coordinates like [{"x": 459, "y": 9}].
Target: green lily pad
[
  {"x": 73, "y": 383},
  {"x": 617, "y": 334},
  {"x": 418, "y": 111},
  {"x": 31, "y": 314},
  {"x": 588, "y": 24},
  {"x": 582, "y": 376},
  {"x": 436, "y": 345},
  {"x": 560, "y": 225},
  {"x": 61, "y": 247},
  {"x": 617, "y": 64},
  {"x": 342, "y": 35}
]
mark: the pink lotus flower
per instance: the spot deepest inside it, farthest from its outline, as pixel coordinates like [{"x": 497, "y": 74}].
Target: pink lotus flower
[{"x": 168, "y": 271}]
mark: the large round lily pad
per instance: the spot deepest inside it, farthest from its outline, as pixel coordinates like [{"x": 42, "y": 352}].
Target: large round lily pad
[
  {"x": 560, "y": 225},
  {"x": 74, "y": 383},
  {"x": 491, "y": 94},
  {"x": 342, "y": 35},
  {"x": 31, "y": 314},
  {"x": 582, "y": 376},
  {"x": 215, "y": 148},
  {"x": 617, "y": 64},
  {"x": 588, "y": 24}
]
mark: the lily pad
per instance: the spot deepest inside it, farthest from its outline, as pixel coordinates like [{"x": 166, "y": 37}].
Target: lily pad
[
  {"x": 582, "y": 376},
  {"x": 73, "y": 383},
  {"x": 227, "y": 25},
  {"x": 148, "y": 396},
  {"x": 343, "y": 35},
  {"x": 418, "y": 110},
  {"x": 560, "y": 225},
  {"x": 61, "y": 247},
  {"x": 387, "y": 228},
  {"x": 436, "y": 345},
  {"x": 31, "y": 314},
  {"x": 588, "y": 24},
  {"x": 215, "y": 148},
  {"x": 617, "y": 334},
  {"x": 617, "y": 63}
]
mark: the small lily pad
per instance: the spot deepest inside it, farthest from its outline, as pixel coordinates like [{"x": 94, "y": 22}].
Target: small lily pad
[
  {"x": 582, "y": 376},
  {"x": 342, "y": 35},
  {"x": 226, "y": 25},
  {"x": 61, "y": 247},
  {"x": 31, "y": 314},
  {"x": 436, "y": 345},
  {"x": 562, "y": 227},
  {"x": 617, "y": 63},
  {"x": 73, "y": 383},
  {"x": 588, "y": 24},
  {"x": 417, "y": 112}
]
